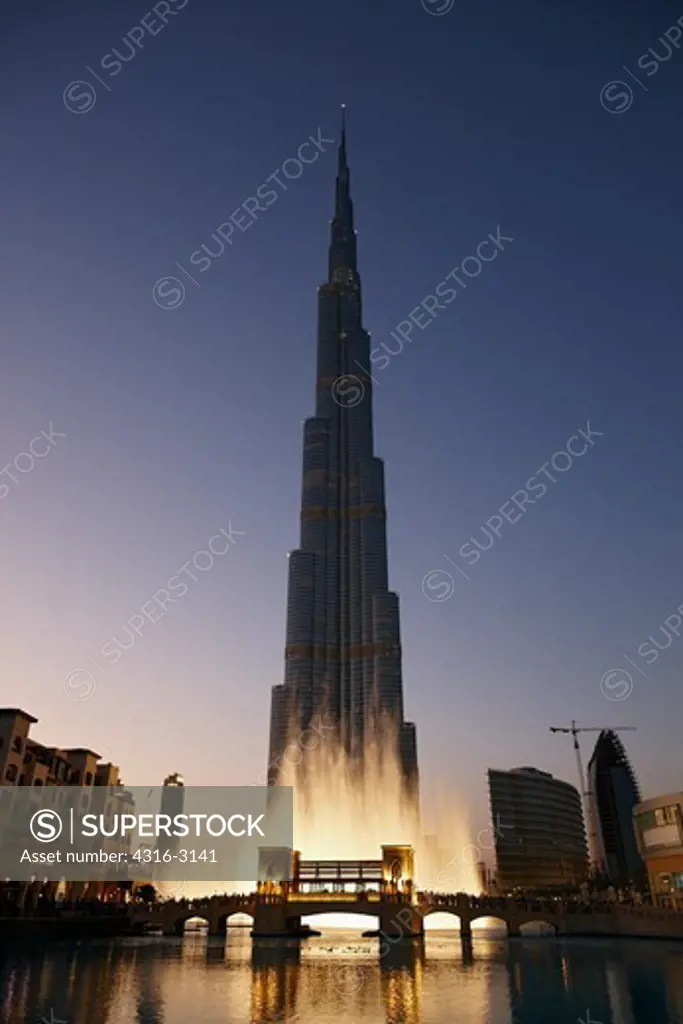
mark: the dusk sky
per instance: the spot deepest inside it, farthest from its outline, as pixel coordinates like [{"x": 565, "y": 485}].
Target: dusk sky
[{"x": 484, "y": 118}]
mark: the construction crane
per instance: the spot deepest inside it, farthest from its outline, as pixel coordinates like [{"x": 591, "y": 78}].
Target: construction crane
[{"x": 574, "y": 731}]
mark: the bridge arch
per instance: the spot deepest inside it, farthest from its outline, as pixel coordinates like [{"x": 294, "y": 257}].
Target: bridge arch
[
  {"x": 452, "y": 918},
  {"x": 351, "y": 918},
  {"x": 470, "y": 919},
  {"x": 179, "y": 923},
  {"x": 351, "y": 911},
  {"x": 235, "y": 918},
  {"x": 360, "y": 917},
  {"x": 451, "y": 911},
  {"x": 488, "y": 916},
  {"x": 466, "y": 919}
]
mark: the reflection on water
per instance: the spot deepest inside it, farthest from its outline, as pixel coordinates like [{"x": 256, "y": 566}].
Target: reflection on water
[{"x": 338, "y": 979}]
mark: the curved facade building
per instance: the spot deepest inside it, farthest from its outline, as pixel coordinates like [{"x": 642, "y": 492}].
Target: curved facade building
[
  {"x": 659, "y": 831},
  {"x": 539, "y": 831},
  {"x": 343, "y": 646},
  {"x": 613, "y": 795}
]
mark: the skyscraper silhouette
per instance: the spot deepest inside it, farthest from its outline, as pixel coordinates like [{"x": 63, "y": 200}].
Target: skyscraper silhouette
[
  {"x": 343, "y": 640},
  {"x": 614, "y": 793}
]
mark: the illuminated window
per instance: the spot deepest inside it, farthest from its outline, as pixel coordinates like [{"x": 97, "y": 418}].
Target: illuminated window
[
  {"x": 666, "y": 815},
  {"x": 659, "y": 817}
]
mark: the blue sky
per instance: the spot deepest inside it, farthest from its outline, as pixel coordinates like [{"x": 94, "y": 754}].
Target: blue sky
[{"x": 181, "y": 421}]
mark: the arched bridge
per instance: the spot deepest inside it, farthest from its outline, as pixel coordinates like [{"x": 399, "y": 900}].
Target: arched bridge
[
  {"x": 171, "y": 915},
  {"x": 513, "y": 913},
  {"x": 281, "y": 916}
]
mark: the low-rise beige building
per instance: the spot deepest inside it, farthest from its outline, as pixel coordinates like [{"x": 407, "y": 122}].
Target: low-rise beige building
[
  {"x": 14, "y": 729},
  {"x": 658, "y": 826},
  {"x": 25, "y": 762}
]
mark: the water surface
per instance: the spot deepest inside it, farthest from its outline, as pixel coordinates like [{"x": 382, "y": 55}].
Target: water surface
[{"x": 340, "y": 978}]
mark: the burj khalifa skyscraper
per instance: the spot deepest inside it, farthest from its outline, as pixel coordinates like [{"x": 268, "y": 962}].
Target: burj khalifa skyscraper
[{"x": 343, "y": 640}]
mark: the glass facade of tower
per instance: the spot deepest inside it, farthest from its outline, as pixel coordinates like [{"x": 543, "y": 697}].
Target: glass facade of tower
[
  {"x": 614, "y": 794},
  {"x": 343, "y": 640}
]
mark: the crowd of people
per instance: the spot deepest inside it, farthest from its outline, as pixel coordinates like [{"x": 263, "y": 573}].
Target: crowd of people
[{"x": 581, "y": 898}]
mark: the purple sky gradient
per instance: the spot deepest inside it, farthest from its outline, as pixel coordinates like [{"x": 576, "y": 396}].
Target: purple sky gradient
[{"x": 181, "y": 421}]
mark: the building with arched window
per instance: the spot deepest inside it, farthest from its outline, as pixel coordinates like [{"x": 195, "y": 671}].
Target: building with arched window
[{"x": 25, "y": 762}]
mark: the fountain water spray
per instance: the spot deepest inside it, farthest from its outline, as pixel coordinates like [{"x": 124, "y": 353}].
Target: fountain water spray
[{"x": 346, "y": 809}]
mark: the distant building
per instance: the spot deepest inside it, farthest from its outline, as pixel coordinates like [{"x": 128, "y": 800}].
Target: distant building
[
  {"x": 539, "y": 831},
  {"x": 659, "y": 835},
  {"x": 172, "y": 803},
  {"x": 613, "y": 795},
  {"x": 174, "y": 780}
]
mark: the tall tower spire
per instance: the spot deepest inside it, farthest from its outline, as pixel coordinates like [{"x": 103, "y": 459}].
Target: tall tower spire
[
  {"x": 342, "y": 144},
  {"x": 343, "y": 649},
  {"x": 343, "y": 265}
]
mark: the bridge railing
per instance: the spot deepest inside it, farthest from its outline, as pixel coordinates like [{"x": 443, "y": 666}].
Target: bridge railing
[
  {"x": 334, "y": 897},
  {"x": 539, "y": 906}
]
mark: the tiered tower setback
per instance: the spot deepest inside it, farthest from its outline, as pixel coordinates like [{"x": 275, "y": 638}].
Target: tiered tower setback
[{"x": 343, "y": 643}]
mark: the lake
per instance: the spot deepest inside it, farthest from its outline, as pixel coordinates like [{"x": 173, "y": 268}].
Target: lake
[{"x": 339, "y": 979}]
